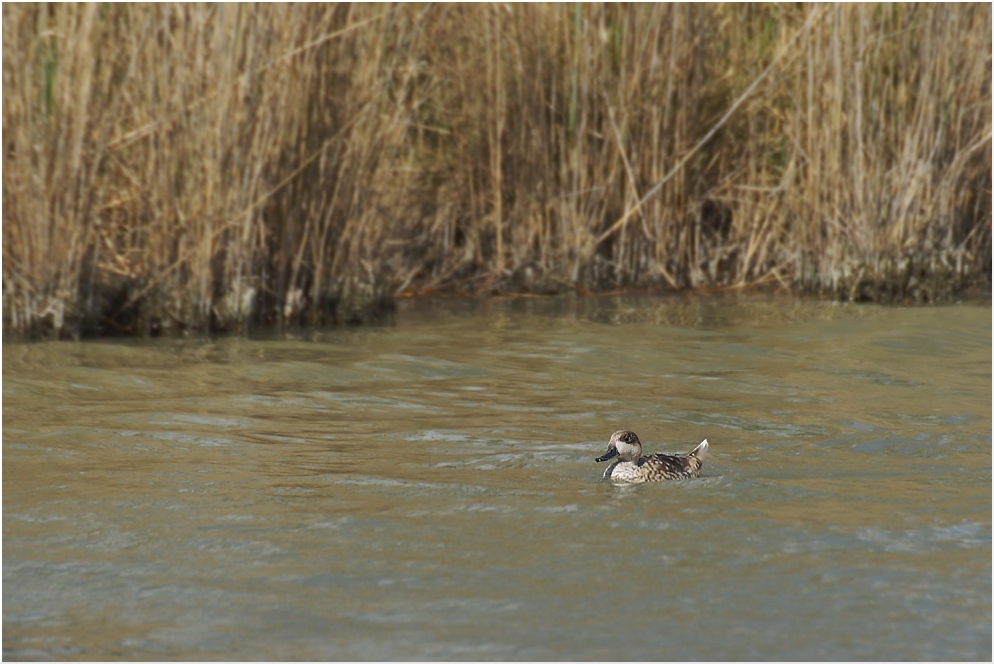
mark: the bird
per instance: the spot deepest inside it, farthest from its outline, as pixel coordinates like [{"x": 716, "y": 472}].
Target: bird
[{"x": 634, "y": 468}]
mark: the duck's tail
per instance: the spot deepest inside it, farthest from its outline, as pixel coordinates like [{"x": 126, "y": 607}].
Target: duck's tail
[{"x": 701, "y": 450}]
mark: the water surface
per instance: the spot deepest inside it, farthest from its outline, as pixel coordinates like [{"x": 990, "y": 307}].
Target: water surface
[{"x": 427, "y": 489}]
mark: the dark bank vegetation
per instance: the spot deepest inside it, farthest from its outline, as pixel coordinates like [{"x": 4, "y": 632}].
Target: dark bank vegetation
[{"x": 204, "y": 166}]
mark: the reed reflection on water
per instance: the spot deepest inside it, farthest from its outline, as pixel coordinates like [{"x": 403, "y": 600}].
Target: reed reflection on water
[{"x": 428, "y": 489}]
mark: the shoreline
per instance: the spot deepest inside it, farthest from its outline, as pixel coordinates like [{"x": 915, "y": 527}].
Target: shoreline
[{"x": 385, "y": 308}]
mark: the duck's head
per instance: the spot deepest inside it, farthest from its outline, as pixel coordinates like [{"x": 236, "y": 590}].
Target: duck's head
[{"x": 625, "y": 445}]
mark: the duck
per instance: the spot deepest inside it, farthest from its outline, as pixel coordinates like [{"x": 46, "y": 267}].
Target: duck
[{"x": 634, "y": 468}]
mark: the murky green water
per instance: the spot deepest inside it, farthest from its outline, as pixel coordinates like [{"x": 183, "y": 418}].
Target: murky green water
[{"x": 428, "y": 489}]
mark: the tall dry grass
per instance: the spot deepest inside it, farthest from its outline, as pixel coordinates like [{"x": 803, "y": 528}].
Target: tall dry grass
[{"x": 201, "y": 166}]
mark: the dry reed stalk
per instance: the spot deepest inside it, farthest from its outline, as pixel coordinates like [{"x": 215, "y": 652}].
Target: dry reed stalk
[{"x": 194, "y": 166}]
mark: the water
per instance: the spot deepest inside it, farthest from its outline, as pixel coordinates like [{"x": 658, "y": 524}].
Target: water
[{"x": 427, "y": 489}]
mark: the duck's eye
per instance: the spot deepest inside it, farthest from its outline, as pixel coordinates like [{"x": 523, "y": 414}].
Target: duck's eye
[{"x": 628, "y": 438}]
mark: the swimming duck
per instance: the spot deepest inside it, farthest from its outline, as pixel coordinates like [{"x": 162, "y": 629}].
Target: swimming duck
[{"x": 632, "y": 467}]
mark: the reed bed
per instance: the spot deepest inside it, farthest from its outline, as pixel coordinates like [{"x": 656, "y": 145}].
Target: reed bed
[{"x": 176, "y": 167}]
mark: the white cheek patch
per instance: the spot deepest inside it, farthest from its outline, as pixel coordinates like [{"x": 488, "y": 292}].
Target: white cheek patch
[{"x": 626, "y": 450}]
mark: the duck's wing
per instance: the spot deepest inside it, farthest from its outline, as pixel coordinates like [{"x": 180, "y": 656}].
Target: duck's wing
[{"x": 673, "y": 465}]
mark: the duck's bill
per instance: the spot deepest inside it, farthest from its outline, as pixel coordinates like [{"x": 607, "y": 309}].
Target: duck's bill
[{"x": 610, "y": 454}]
